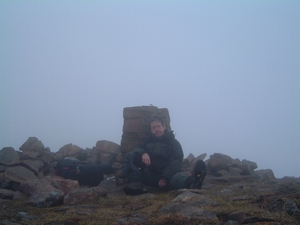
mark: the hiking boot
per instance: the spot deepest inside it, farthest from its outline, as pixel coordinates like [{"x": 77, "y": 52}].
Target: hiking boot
[
  {"x": 198, "y": 175},
  {"x": 135, "y": 188}
]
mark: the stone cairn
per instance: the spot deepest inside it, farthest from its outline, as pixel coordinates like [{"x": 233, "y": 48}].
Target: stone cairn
[{"x": 136, "y": 125}]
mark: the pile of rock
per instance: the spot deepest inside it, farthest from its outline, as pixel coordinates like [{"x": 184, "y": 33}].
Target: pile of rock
[{"x": 31, "y": 171}]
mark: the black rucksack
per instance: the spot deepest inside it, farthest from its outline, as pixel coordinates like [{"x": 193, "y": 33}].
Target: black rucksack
[{"x": 67, "y": 168}]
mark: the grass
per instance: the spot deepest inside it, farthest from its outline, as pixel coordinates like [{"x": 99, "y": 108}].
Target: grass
[{"x": 108, "y": 210}]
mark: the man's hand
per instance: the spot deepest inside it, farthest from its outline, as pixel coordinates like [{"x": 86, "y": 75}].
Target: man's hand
[
  {"x": 146, "y": 159},
  {"x": 162, "y": 183}
]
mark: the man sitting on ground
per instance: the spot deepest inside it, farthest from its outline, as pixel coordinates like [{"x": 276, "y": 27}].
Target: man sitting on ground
[{"x": 157, "y": 162}]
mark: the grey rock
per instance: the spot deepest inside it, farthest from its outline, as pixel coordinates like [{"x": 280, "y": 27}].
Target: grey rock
[
  {"x": 84, "y": 195},
  {"x": 191, "y": 206},
  {"x": 32, "y": 144},
  {"x": 18, "y": 174},
  {"x": 6, "y": 194},
  {"x": 264, "y": 175},
  {"x": 9, "y": 157},
  {"x": 46, "y": 196},
  {"x": 33, "y": 165}
]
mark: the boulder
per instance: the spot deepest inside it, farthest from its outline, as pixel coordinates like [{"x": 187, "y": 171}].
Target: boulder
[
  {"x": 18, "y": 174},
  {"x": 46, "y": 196},
  {"x": 28, "y": 187},
  {"x": 264, "y": 175},
  {"x": 66, "y": 185},
  {"x": 69, "y": 150},
  {"x": 32, "y": 147},
  {"x": 9, "y": 157},
  {"x": 219, "y": 161},
  {"x": 107, "y": 147},
  {"x": 105, "y": 152},
  {"x": 33, "y": 165},
  {"x": 219, "y": 165},
  {"x": 84, "y": 195},
  {"x": 47, "y": 157},
  {"x": 190, "y": 207},
  {"x": 6, "y": 194},
  {"x": 3, "y": 168}
]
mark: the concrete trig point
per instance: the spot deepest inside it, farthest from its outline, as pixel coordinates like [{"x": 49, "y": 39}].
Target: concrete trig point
[{"x": 136, "y": 127}]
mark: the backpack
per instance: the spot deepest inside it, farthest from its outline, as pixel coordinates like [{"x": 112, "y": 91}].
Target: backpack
[{"x": 66, "y": 168}]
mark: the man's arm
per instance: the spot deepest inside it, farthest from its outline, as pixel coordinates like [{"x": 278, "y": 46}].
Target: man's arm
[{"x": 146, "y": 159}]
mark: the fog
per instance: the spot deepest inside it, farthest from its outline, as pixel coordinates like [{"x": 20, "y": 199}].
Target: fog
[{"x": 228, "y": 72}]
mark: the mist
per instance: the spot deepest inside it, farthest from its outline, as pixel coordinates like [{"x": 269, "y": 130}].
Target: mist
[{"x": 228, "y": 72}]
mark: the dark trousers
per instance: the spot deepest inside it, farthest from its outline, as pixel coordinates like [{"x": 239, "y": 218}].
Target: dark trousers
[{"x": 137, "y": 171}]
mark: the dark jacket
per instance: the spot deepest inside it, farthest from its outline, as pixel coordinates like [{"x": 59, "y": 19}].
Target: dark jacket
[{"x": 165, "y": 154}]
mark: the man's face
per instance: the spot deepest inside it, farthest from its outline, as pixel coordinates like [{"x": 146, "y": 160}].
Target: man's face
[{"x": 157, "y": 129}]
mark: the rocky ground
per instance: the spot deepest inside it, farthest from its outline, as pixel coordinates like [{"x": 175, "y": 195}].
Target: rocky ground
[
  {"x": 222, "y": 200},
  {"x": 234, "y": 192}
]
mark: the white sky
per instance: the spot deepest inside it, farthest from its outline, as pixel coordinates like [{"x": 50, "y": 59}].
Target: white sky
[{"x": 228, "y": 71}]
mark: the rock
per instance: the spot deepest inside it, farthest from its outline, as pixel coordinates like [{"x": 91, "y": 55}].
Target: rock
[
  {"x": 6, "y": 194},
  {"x": 47, "y": 157},
  {"x": 66, "y": 185},
  {"x": 291, "y": 208},
  {"x": 32, "y": 147},
  {"x": 68, "y": 150},
  {"x": 2, "y": 169},
  {"x": 189, "y": 159},
  {"x": 252, "y": 165},
  {"x": 132, "y": 220},
  {"x": 28, "y": 187},
  {"x": 105, "y": 152},
  {"x": 187, "y": 200},
  {"x": 107, "y": 147},
  {"x": 288, "y": 206},
  {"x": 46, "y": 196},
  {"x": 33, "y": 165},
  {"x": 238, "y": 216},
  {"x": 18, "y": 174},
  {"x": 264, "y": 175},
  {"x": 18, "y": 195},
  {"x": 236, "y": 170},
  {"x": 9, "y": 157},
  {"x": 26, "y": 216},
  {"x": 219, "y": 164},
  {"x": 170, "y": 219},
  {"x": 32, "y": 144},
  {"x": 84, "y": 195},
  {"x": 231, "y": 222}
]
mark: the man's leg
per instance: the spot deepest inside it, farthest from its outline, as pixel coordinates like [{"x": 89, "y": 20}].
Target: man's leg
[
  {"x": 179, "y": 181},
  {"x": 150, "y": 178}
]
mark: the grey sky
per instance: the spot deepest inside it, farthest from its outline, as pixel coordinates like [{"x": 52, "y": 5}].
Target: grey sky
[{"x": 228, "y": 71}]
